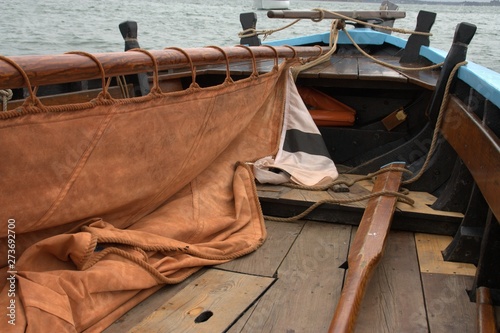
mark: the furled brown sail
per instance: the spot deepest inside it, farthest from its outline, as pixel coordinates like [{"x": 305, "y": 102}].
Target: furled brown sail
[{"x": 115, "y": 199}]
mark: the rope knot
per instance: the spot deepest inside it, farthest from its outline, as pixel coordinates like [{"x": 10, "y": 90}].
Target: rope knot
[{"x": 6, "y": 96}]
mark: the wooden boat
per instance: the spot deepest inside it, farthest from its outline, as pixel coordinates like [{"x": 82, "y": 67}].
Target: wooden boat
[
  {"x": 132, "y": 207},
  {"x": 271, "y": 4}
]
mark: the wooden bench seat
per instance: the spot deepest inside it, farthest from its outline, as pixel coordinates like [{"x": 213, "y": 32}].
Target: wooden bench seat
[{"x": 344, "y": 68}]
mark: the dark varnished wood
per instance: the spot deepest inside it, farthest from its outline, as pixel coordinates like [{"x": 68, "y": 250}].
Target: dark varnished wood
[
  {"x": 411, "y": 52},
  {"x": 315, "y": 14},
  {"x": 485, "y": 311},
  {"x": 478, "y": 147},
  {"x": 366, "y": 250}
]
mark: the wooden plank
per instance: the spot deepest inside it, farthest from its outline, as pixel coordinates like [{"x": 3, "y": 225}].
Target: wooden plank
[
  {"x": 308, "y": 285},
  {"x": 149, "y": 305},
  {"x": 422, "y": 78},
  {"x": 386, "y": 306},
  {"x": 211, "y": 303},
  {"x": 344, "y": 68},
  {"x": 370, "y": 70},
  {"x": 266, "y": 260},
  {"x": 314, "y": 72},
  {"x": 478, "y": 147},
  {"x": 429, "y": 248},
  {"x": 449, "y": 309}
]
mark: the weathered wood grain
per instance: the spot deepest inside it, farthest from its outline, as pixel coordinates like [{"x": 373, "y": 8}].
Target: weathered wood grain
[
  {"x": 430, "y": 258},
  {"x": 308, "y": 285},
  {"x": 449, "y": 309},
  {"x": 394, "y": 301},
  {"x": 209, "y": 304},
  {"x": 149, "y": 305},
  {"x": 266, "y": 260}
]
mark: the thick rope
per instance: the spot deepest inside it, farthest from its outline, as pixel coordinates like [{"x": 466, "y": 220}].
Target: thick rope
[
  {"x": 439, "y": 121},
  {"x": 401, "y": 196},
  {"x": 6, "y": 96},
  {"x": 334, "y": 37}
]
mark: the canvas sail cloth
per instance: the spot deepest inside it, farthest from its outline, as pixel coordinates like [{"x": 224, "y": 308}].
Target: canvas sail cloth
[
  {"x": 302, "y": 157},
  {"x": 113, "y": 201}
]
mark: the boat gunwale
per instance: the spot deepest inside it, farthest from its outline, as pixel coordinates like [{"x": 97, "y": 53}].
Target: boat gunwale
[{"x": 484, "y": 80}]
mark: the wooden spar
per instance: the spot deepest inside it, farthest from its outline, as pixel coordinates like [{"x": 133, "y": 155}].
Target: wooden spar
[
  {"x": 314, "y": 14},
  {"x": 62, "y": 68},
  {"x": 366, "y": 250},
  {"x": 485, "y": 311}
]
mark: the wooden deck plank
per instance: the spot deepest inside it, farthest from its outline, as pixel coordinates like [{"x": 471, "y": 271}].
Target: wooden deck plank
[
  {"x": 370, "y": 70},
  {"x": 266, "y": 260},
  {"x": 308, "y": 286},
  {"x": 429, "y": 249},
  {"x": 424, "y": 78},
  {"x": 386, "y": 306},
  {"x": 449, "y": 309},
  {"x": 223, "y": 294},
  {"x": 314, "y": 72},
  {"x": 344, "y": 68},
  {"x": 146, "y": 307}
]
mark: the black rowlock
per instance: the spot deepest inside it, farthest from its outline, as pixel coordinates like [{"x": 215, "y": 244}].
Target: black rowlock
[{"x": 128, "y": 29}]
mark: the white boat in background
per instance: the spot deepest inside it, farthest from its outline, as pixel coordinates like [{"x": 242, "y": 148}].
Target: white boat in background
[{"x": 271, "y": 4}]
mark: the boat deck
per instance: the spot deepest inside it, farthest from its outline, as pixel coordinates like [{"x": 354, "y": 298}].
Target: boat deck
[
  {"x": 293, "y": 283},
  {"x": 345, "y": 68}
]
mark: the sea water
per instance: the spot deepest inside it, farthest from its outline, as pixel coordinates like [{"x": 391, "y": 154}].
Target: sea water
[{"x": 57, "y": 26}]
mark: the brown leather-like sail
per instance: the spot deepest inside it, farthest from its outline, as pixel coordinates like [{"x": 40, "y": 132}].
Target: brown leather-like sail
[{"x": 113, "y": 200}]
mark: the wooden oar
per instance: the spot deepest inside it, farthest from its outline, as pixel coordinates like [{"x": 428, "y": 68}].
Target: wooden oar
[
  {"x": 366, "y": 249},
  {"x": 485, "y": 311}
]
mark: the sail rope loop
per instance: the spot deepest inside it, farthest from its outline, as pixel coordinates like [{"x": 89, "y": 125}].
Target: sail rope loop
[{"x": 6, "y": 96}]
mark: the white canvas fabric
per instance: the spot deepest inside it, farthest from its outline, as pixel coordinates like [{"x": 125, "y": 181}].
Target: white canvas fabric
[{"x": 302, "y": 157}]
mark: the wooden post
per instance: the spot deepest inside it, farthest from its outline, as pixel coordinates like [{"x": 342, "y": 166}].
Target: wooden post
[
  {"x": 249, "y": 21},
  {"x": 128, "y": 30},
  {"x": 366, "y": 250},
  {"x": 458, "y": 52},
  {"x": 411, "y": 52}
]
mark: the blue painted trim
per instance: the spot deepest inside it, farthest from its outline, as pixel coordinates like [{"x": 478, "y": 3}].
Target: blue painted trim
[{"x": 483, "y": 80}]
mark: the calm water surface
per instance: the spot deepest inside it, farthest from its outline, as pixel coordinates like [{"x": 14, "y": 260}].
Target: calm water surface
[{"x": 56, "y": 26}]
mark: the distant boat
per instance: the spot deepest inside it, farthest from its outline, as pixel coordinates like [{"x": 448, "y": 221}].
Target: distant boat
[{"x": 271, "y": 4}]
